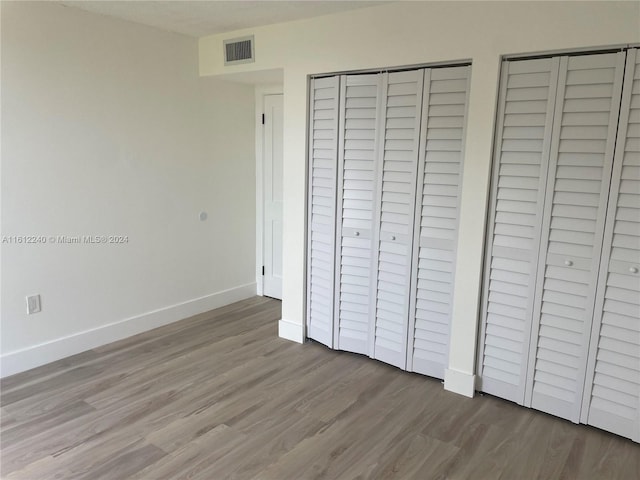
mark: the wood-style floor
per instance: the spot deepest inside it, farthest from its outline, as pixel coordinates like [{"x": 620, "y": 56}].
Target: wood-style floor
[{"x": 220, "y": 396}]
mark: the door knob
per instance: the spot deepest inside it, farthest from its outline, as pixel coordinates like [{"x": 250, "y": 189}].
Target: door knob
[
  {"x": 393, "y": 237},
  {"x": 633, "y": 269},
  {"x": 568, "y": 263},
  {"x": 357, "y": 234}
]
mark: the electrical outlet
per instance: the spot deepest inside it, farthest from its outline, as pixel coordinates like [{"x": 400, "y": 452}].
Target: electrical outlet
[{"x": 33, "y": 304}]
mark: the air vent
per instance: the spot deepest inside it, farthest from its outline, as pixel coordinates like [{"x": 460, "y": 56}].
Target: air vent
[{"x": 238, "y": 50}]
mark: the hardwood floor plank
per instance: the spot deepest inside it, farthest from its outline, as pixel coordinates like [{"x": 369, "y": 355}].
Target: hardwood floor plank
[
  {"x": 127, "y": 463},
  {"x": 79, "y": 461},
  {"x": 412, "y": 456},
  {"x": 550, "y": 440},
  {"x": 51, "y": 385},
  {"x": 275, "y": 438},
  {"x": 38, "y": 374},
  {"x": 51, "y": 420},
  {"x": 194, "y": 457},
  {"x": 468, "y": 445},
  {"x": 336, "y": 447},
  {"x": 220, "y": 396}
]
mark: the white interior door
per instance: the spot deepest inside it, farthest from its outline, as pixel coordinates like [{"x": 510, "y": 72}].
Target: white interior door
[
  {"x": 582, "y": 144},
  {"x": 321, "y": 213},
  {"x": 359, "y": 112},
  {"x": 612, "y": 391},
  {"x": 435, "y": 238},
  {"x": 399, "y": 142},
  {"x": 272, "y": 245},
  {"x": 523, "y": 138}
]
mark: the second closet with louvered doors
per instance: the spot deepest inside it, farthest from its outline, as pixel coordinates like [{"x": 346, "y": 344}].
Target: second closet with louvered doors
[
  {"x": 556, "y": 136},
  {"x": 398, "y": 158}
]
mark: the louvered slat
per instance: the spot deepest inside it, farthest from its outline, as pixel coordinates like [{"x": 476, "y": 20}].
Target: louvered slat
[
  {"x": 402, "y": 110},
  {"x": 527, "y": 90},
  {"x": 445, "y": 95},
  {"x": 357, "y": 179},
  {"x": 612, "y": 390},
  {"x": 323, "y": 161},
  {"x": 575, "y": 205}
]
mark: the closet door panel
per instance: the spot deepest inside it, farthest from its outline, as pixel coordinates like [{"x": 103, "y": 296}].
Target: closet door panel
[
  {"x": 323, "y": 159},
  {"x": 359, "y": 118},
  {"x": 583, "y": 139},
  {"x": 527, "y": 98},
  {"x": 399, "y": 151},
  {"x": 436, "y": 223},
  {"x": 612, "y": 390}
]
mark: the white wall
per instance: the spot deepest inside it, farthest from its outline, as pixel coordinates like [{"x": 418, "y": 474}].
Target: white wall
[
  {"x": 406, "y": 34},
  {"x": 108, "y": 129}
]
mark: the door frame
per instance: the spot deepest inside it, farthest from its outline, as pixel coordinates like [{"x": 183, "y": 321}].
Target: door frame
[{"x": 261, "y": 91}]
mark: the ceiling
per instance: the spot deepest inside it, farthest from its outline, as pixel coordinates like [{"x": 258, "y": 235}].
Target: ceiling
[{"x": 200, "y": 18}]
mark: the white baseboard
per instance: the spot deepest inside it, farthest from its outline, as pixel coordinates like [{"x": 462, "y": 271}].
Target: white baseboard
[
  {"x": 460, "y": 382},
  {"x": 290, "y": 331},
  {"x": 31, "y": 357}
]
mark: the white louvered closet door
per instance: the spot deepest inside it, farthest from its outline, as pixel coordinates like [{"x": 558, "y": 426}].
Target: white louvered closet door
[
  {"x": 436, "y": 220},
  {"x": 357, "y": 153},
  {"x": 323, "y": 158},
  {"x": 527, "y": 95},
  {"x": 583, "y": 139},
  {"x": 399, "y": 150},
  {"x": 612, "y": 390}
]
